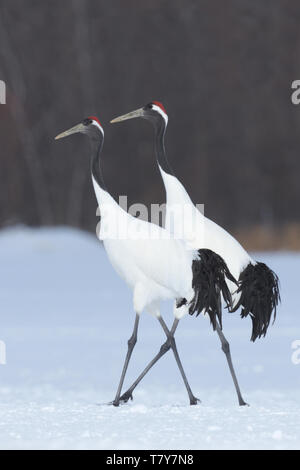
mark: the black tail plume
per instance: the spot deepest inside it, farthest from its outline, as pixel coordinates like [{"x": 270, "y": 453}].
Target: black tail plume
[
  {"x": 259, "y": 289},
  {"x": 209, "y": 283}
]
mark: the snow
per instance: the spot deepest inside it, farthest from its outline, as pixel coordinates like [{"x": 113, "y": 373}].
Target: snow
[{"x": 65, "y": 319}]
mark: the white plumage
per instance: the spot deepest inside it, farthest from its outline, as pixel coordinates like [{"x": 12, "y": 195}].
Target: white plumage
[
  {"x": 155, "y": 266},
  {"x": 199, "y": 231},
  {"x": 196, "y": 229}
]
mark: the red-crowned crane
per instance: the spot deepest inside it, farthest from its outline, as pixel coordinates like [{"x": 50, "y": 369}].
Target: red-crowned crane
[
  {"x": 258, "y": 290},
  {"x": 153, "y": 264}
]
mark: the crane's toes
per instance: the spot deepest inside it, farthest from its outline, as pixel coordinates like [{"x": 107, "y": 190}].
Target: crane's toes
[
  {"x": 194, "y": 401},
  {"x": 113, "y": 403},
  {"x": 122, "y": 400},
  {"x": 243, "y": 403},
  {"x": 126, "y": 397}
]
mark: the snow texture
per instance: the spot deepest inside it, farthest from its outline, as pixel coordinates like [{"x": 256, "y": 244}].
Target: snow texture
[{"x": 65, "y": 319}]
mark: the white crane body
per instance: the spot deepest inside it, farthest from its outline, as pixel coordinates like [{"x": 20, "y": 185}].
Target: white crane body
[
  {"x": 155, "y": 266},
  {"x": 199, "y": 231}
]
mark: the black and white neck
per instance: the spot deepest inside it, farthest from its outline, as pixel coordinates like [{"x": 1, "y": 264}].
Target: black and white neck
[
  {"x": 95, "y": 133},
  {"x": 157, "y": 115},
  {"x": 159, "y": 118},
  {"x": 92, "y": 128}
]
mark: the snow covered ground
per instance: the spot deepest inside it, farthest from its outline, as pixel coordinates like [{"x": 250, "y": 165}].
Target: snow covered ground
[{"x": 65, "y": 318}]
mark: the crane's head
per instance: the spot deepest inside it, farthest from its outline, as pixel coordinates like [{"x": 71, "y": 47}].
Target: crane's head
[
  {"x": 154, "y": 112},
  {"x": 90, "y": 126}
]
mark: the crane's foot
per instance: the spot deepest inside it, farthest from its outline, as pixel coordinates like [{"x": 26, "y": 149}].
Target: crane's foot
[
  {"x": 122, "y": 400},
  {"x": 194, "y": 400},
  {"x": 126, "y": 397},
  {"x": 113, "y": 403},
  {"x": 243, "y": 403}
]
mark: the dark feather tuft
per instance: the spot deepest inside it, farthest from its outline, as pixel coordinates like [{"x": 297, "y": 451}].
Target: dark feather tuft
[
  {"x": 259, "y": 289},
  {"x": 209, "y": 283},
  {"x": 180, "y": 302}
]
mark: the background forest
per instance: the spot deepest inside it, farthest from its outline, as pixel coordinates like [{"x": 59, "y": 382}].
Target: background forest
[{"x": 223, "y": 71}]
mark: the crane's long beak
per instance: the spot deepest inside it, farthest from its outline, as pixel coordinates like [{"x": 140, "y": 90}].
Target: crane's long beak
[
  {"x": 134, "y": 114},
  {"x": 73, "y": 130}
]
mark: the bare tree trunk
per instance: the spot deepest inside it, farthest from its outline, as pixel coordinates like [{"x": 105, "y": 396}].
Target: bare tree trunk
[
  {"x": 84, "y": 58},
  {"x": 30, "y": 153}
]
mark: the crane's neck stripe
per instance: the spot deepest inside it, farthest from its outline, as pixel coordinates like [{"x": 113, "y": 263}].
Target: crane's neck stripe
[
  {"x": 164, "y": 115},
  {"x": 161, "y": 156},
  {"x": 97, "y": 144},
  {"x": 97, "y": 124},
  {"x": 158, "y": 103}
]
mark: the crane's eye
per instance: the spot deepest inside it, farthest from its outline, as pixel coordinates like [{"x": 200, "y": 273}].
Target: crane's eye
[
  {"x": 148, "y": 106},
  {"x": 87, "y": 121}
]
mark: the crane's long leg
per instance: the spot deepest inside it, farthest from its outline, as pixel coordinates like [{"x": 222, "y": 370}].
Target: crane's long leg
[
  {"x": 128, "y": 394},
  {"x": 131, "y": 343},
  {"x": 171, "y": 339},
  {"x": 170, "y": 343},
  {"x": 226, "y": 350}
]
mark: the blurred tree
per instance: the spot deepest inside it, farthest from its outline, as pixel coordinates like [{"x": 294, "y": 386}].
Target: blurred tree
[{"x": 222, "y": 69}]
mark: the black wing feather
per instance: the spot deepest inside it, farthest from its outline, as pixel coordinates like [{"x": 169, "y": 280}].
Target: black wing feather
[{"x": 209, "y": 283}]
